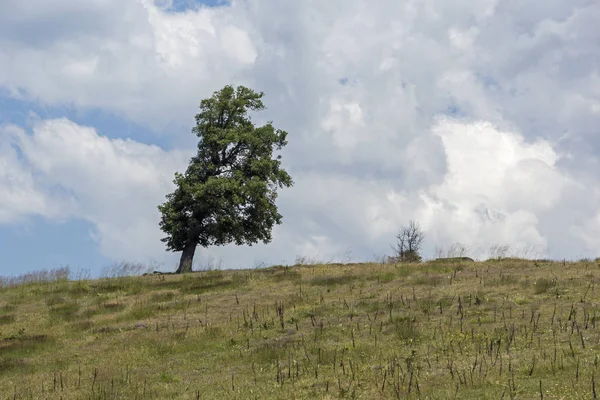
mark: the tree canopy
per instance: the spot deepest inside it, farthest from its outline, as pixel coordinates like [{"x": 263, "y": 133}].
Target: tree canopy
[{"x": 228, "y": 192}]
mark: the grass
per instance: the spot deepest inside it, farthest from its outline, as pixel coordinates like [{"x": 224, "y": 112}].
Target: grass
[{"x": 470, "y": 330}]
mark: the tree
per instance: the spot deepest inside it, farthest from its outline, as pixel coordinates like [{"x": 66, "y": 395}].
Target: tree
[
  {"x": 227, "y": 194},
  {"x": 409, "y": 242}
]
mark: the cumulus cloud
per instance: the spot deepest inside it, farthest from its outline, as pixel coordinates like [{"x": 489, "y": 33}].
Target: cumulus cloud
[
  {"x": 495, "y": 190},
  {"x": 19, "y": 196},
  {"x": 70, "y": 171},
  {"x": 129, "y": 57},
  {"x": 477, "y": 118}
]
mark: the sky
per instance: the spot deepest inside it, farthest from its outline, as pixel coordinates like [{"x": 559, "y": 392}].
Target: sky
[{"x": 478, "y": 119}]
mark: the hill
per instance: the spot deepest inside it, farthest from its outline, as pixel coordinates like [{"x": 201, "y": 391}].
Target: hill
[{"x": 483, "y": 330}]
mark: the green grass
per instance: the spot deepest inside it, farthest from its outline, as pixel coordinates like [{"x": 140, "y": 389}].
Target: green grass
[
  {"x": 542, "y": 285},
  {"x": 468, "y": 330},
  {"x": 7, "y": 319}
]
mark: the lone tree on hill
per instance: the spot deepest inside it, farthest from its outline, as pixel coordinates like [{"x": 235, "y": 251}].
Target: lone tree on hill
[
  {"x": 227, "y": 194},
  {"x": 409, "y": 242}
]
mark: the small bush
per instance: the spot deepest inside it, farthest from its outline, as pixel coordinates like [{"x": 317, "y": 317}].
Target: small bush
[{"x": 408, "y": 244}]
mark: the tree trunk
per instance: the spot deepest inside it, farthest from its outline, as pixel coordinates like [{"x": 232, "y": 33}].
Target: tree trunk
[{"x": 187, "y": 257}]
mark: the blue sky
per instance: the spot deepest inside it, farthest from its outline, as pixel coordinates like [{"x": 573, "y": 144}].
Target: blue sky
[
  {"x": 37, "y": 243},
  {"x": 182, "y": 5},
  {"x": 478, "y": 119}
]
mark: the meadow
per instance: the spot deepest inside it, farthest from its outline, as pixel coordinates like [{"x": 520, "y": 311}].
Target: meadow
[{"x": 500, "y": 329}]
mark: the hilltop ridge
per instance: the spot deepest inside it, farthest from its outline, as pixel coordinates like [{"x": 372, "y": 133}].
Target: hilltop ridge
[{"x": 475, "y": 330}]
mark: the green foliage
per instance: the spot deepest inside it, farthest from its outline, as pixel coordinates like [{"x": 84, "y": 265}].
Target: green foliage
[{"x": 228, "y": 192}]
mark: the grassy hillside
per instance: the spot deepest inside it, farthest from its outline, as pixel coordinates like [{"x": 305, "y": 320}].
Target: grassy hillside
[{"x": 502, "y": 329}]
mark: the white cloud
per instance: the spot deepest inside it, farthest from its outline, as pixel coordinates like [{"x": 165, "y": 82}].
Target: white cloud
[
  {"x": 495, "y": 186},
  {"x": 114, "y": 184},
  {"x": 493, "y": 192},
  {"x": 463, "y": 40},
  {"x": 484, "y": 163},
  {"x": 367, "y": 155},
  {"x": 130, "y": 57},
  {"x": 19, "y": 196}
]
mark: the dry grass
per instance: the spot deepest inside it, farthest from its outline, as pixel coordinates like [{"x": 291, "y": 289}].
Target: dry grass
[{"x": 499, "y": 329}]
